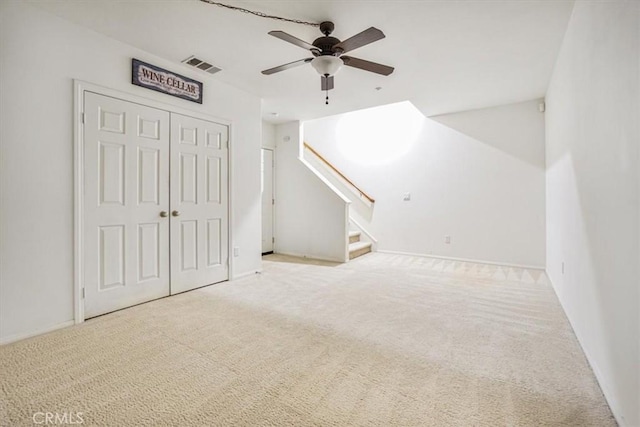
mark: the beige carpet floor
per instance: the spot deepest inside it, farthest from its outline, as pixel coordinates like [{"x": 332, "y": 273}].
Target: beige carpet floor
[{"x": 384, "y": 340}]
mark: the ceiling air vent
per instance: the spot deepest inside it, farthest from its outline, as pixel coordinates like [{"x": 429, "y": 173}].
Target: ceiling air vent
[{"x": 201, "y": 65}]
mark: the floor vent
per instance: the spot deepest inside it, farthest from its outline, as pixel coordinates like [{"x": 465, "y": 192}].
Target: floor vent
[{"x": 201, "y": 65}]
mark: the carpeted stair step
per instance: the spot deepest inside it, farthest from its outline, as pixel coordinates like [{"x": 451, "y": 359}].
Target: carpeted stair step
[
  {"x": 358, "y": 249},
  {"x": 354, "y": 236}
]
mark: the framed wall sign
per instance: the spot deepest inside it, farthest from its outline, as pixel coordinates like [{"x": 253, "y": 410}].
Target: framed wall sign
[{"x": 165, "y": 81}]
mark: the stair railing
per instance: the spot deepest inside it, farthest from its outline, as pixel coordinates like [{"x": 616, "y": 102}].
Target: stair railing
[{"x": 340, "y": 174}]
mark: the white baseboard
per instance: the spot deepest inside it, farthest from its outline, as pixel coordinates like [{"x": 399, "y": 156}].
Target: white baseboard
[
  {"x": 477, "y": 261},
  {"x": 309, "y": 257},
  {"x": 19, "y": 337},
  {"x": 245, "y": 274},
  {"x": 606, "y": 390}
]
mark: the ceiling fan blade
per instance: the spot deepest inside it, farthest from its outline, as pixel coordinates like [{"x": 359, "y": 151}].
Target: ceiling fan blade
[
  {"x": 326, "y": 83},
  {"x": 374, "y": 67},
  {"x": 286, "y": 66},
  {"x": 369, "y": 35},
  {"x": 291, "y": 39}
]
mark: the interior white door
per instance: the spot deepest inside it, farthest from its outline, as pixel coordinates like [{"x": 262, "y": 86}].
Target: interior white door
[
  {"x": 267, "y": 200},
  {"x": 126, "y": 204},
  {"x": 199, "y": 203}
]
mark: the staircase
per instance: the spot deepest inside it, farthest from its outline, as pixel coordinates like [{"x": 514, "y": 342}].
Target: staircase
[
  {"x": 356, "y": 247},
  {"x": 359, "y": 241}
]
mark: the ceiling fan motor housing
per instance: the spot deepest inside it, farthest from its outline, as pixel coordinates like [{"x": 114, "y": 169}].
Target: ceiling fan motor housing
[{"x": 325, "y": 45}]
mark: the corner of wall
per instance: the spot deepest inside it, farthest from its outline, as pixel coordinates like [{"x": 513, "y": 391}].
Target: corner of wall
[{"x": 593, "y": 193}]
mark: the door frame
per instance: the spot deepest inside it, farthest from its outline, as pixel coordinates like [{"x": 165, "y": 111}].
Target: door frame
[
  {"x": 273, "y": 194},
  {"x": 79, "y": 88}
]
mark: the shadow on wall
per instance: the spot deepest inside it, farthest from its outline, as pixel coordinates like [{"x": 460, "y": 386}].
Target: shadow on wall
[
  {"x": 487, "y": 125},
  {"x": 456, "y": 186}
]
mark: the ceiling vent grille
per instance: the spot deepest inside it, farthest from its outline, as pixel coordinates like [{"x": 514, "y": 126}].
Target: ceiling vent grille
[{"x": 201, "y": 65}]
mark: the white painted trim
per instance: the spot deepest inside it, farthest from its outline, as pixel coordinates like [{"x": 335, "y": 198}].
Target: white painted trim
[
  {"x": 78, "y": 200},
  {"x": 347, "y": 208},
  {"x": 324, "y": 180},
  {"x": 273, "y": 194},
  {"x": 606, "y": 390},
  {"x": 230, "y": 210},
  {"x": 477, "y": 261},
  {"x": 79, "y": 88},
  {"x": 19, "y": 337},
  {"x": 374, "y": 241},
  {"x": 350, "y": 187},
  {"x": 275, "y": 197},
  {"x": 148, "y": 102}
]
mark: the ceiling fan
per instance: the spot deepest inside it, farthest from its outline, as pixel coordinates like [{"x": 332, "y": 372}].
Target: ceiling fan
[{"x": 328, "y": 53}]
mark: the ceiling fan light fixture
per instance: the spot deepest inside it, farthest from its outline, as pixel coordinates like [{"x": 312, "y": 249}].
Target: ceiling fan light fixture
[{"x": 327, "y": 65}]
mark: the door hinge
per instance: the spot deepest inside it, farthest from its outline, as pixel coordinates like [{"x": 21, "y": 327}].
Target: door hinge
[
  {"x": 82, "y": 293},
  {"x": 273, "y": 201},
  {"x": 273, "y": 240},
  {"x": 82, "y": 118}
]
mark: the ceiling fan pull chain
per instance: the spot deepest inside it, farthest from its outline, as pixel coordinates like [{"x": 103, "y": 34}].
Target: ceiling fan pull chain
[{"x": 327, "y": 98}]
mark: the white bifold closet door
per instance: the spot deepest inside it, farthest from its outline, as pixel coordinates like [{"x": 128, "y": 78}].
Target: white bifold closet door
[
  {"x": 155, "y": 203},
  {"x": 199, "y": 203},
  {"x": 126, "y": 170}
]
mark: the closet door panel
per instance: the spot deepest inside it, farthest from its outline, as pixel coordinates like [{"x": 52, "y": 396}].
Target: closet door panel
[
  {"x": 126, "y": 188},
  {"x": 199, "y": 203}
]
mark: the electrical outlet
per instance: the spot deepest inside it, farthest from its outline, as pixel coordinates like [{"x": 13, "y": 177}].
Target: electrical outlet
[
  {"x": 447, "y": 240},
  {"x": 236, "y": 252}
]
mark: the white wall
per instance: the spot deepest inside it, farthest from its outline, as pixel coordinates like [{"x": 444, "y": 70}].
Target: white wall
[
  {"x": 592, "y": 192},
  {"x": 40, "y": 54},
  {"x": 477, "y": 176},
  {"x": 311, "y": 217},
  {"x": 268, "y": 135}
]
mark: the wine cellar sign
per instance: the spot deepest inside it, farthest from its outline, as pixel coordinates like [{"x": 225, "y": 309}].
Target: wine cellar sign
[{"x": 161, "y": 80}]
